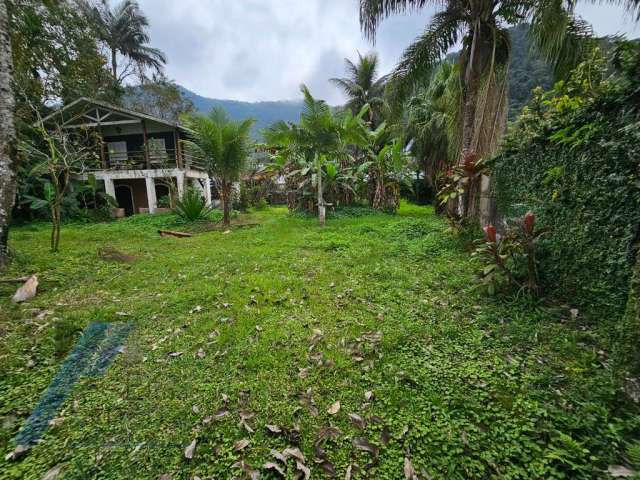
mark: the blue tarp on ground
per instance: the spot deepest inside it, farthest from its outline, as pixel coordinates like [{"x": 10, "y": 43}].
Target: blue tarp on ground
[{"x": 91, "y": 356}]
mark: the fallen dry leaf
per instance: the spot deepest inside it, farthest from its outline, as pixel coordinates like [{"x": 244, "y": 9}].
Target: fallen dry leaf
[
  {"x": 278, "y": 456},
  {"x": 328, "y": 432},
  {"x": 334, "y": 408},
  {"x": 328, "y": 468},
  {"x": 385, "y": 436},
  {"x": 17, "y": 453},
  {"x": 301, "y": 467},
  {"x": 53, "y": 473},
  {"x": 190, "y": 450},
  {"x": 620, "y": 471},
  {"x": 368, "y": 395},
  {"x": 241, "y": 444},
  {"x": 363, "y": 444},
  {"x": 274, "y": 428},
  {"x": 275, "y": 467},
  {"x": 409, "y": 471},
  {"x": 293, "y": 453},
  {"x": 220, "y": 414},
  {"x": 358, "y": 421}
]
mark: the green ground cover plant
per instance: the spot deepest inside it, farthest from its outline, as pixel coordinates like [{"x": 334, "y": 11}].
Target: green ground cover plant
[{"x": 365, "y": 344}]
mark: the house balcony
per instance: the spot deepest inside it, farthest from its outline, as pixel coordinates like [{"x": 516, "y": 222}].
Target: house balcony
[{"x": 167, "y": 159}]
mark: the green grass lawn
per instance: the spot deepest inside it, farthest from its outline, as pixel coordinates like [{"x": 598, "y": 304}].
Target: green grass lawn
[{"x": 276, "y": 323}]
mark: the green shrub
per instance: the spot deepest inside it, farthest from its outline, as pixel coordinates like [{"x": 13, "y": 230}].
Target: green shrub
[
  {"x": 573, "y": 159},
  {"x": 192, "y": 206}
]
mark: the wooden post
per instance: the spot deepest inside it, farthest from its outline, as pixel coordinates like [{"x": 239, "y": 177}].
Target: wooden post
[
  {"x": 103, "y": 157},
  {"x": 146, "y": 144},
  {"x": 177, "y": 151}
]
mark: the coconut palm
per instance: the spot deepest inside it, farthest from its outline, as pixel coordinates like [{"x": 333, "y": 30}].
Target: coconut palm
[
  {"x": 224, "y": 146},
  {"x": 433, "y": 123},
  {"x": 481, "y": 27},
  {"x": 363, "y": 86},
  {"x": 123, "y": 29}
]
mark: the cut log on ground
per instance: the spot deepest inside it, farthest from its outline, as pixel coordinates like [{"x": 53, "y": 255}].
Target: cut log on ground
[
  {"x": 14, "y": 280},
  {"x": 169, "y": 233}
]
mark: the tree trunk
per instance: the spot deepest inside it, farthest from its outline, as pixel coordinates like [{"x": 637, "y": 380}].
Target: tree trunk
[
  {"x": 7, "y": 135},
  {"x": 114, "y": 64},
  {"x": 225, "y": 197},
  {"x": 321, "y": 207}
]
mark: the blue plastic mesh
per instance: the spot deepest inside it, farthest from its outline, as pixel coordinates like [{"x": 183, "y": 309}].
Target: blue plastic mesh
[{"x": 92, "y": 355}]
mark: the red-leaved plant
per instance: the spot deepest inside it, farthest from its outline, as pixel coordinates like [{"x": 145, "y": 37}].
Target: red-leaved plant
[{"x": 510, "y": 258}]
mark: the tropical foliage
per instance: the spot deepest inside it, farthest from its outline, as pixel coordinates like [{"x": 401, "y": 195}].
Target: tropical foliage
[
  {"x": 363, "y": 87},
  {"x": 59, "y": 157},
  {"x": 481, "y": 27},
  {"x": 336, "y": 156},
  {"x": 224, "y": 146},
  {"x": 192, "y": 206},
  {"x": 123, "y": 29},
  {"x": 572, "y": 158}
]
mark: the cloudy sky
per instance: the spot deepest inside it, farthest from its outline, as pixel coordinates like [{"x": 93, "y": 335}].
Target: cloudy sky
[{"x": 263, "y": 49}]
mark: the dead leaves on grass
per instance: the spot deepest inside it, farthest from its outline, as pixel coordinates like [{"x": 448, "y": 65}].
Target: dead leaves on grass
[
  {"x": 190, "y": 450},
  {"x": 334, "y": 408}
]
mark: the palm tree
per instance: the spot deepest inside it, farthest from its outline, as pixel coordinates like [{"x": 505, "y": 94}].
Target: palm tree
[
  {"x": 124, "y": 30},
  {"x": 320, "y": 138},
  {"x": 224, "y": 146},
  {"x": 481, "y": 26},
  {"x": 362, "y": 85},
  {"x": 433, "y": 123},
  {"x": 7, "y": 135}
]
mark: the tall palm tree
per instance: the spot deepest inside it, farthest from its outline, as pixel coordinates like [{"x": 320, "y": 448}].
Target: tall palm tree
[
  {"x": 481, "y": 26},
  {"x": 124, "y": 31},
  {"x": 7, "y": 135},
  {"x": 433, "y": 123},
  {"x": 362, "y": 85},
  {"x": 224, "y": 146}
]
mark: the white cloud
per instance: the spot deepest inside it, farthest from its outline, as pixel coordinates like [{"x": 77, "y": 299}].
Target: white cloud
[{"x": 263, "y": 49}]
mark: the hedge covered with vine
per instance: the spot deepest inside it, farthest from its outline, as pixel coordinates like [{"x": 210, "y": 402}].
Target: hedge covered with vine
[{"x": 573, "y": 158}]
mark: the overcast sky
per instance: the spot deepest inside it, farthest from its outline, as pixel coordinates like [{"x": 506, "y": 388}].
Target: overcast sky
[{"x": 263, "y": 49}]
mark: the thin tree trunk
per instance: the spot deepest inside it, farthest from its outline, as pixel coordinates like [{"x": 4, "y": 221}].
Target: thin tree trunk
[
  {"x": 321, "y": 207},
  {"x": 225, "y": 196},
  {"x": 114, "y": 64},
  {"x": 7, "y": 135}
]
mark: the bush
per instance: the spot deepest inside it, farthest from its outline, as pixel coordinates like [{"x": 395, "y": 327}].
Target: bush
[
  {"x": 573, "y": 159},
  {"x": 192, "y": 206}
]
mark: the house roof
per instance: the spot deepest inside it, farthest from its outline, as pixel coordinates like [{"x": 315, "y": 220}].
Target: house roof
[{"x": 88, "y": 112}]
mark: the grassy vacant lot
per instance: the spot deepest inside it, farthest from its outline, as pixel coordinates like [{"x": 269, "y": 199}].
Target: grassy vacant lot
[{"x": 276, "y": 323}]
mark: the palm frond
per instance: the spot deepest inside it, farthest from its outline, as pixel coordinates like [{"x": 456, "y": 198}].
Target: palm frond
[
  {"x": 421, "y": 57},
  {"x": 372, "y": 12}
]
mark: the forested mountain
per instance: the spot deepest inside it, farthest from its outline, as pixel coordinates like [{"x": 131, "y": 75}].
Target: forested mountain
[
  {"x": 265, "y": 113},
  {"x": 527, "y": 70}
]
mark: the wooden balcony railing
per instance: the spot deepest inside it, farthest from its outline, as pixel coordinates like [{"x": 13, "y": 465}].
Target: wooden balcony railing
[{"x": 141, "y": 160}]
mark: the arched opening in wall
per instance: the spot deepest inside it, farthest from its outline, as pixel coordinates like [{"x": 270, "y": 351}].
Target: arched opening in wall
[
  {"x": 163, "y": 195},
  {"x": 124, "y": 197}
]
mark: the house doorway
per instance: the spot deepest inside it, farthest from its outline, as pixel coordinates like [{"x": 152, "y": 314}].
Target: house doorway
[
  {"x": 124, "y": 197},
  {"x": 163, "y": 196}
]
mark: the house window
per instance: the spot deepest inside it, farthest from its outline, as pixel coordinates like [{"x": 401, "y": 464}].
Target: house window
[{"x": 117, "y": 153}]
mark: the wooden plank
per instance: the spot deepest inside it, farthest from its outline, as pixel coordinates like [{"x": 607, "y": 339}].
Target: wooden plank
[{"x": 169, "y": 233}]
